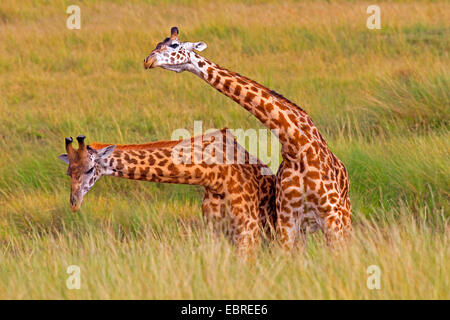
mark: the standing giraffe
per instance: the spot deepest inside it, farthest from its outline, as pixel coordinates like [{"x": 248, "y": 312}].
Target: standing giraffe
[
  {"x": 312, "y": 183},
  {"x": 236, "y": 184}
]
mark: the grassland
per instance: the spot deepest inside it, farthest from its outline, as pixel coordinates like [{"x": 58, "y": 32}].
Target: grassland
[{"x": 380, "y": 97}]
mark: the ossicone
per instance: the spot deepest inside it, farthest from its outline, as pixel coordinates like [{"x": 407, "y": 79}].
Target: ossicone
[{"x": 174, "y": 33}]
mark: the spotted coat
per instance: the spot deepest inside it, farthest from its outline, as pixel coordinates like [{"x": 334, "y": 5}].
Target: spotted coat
[
  {"x": 238, "y": 187},
  {"x": 312, "y": 186}
]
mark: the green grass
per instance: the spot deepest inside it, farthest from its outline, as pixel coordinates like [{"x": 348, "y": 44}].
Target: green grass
[{"x": 380, "y": 97}]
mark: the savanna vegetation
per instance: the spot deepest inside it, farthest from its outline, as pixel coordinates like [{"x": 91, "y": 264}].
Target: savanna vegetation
[{"x": 381, "y": 98}]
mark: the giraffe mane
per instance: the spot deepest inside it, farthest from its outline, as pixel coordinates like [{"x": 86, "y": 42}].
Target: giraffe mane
[
  {"x": 267, "y": 90},
  {"x": 144, "y": 146},
  {"x": 149, "y": 145}
]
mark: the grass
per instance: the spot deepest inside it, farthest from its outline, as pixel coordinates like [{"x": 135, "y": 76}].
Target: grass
[{"x": 380, "y": 97}]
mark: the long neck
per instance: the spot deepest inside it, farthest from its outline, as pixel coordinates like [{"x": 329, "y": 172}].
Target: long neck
[
  {"x": 273, "y": 110},
  {"x": 157, "y": 165}
]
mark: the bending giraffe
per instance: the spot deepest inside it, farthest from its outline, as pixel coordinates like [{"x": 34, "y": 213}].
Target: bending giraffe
[
  {"x": 237, "y": 185},
  {"x": 312, "y": 183}
]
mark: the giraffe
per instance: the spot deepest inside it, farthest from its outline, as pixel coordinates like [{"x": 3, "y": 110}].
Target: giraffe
[
  {"x": 312, "y": 185},
  {"x": 238, "y": 187}
]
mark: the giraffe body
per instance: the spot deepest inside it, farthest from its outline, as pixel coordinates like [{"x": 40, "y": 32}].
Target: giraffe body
[
  {"x": 237, "y": 186},
  {"x": 312, "y": 183}
]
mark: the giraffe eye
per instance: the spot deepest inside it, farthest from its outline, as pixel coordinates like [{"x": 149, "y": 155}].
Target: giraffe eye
[
  {"x": 174, "y": 45},
  {"x": 90, "y": 170}
]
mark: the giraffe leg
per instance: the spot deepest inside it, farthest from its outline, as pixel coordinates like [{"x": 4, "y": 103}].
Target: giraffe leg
[
  {"x": 287, "y": 225},
  {"x": 335, "y": 230},
  {"x": 286, "y": 231},
  {"x": 214, "y": 209},
  {"x": 245, "y": 227},
  {"x": 301, "y": 239},
  {"x": 213, "y": 206}
]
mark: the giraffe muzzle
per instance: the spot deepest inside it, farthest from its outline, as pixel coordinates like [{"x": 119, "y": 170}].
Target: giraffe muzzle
[
  {"x": 75, "y": 203},
  {"x": 75, "y": 207},
  {"x": 149, "y": 62}
]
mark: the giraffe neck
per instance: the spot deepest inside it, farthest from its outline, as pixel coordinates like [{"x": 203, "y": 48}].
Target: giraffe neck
[
  {"x": 156, "y": 165},
  {"x": 272, "y": 109}
]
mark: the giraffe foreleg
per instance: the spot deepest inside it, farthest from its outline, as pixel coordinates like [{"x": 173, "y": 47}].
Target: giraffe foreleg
[
  {"x": 214, "y": 211},
  {"x": 336, "y": 229},
  {"x": 289, "y": 206},
  {"x": 245, "y": 227}
]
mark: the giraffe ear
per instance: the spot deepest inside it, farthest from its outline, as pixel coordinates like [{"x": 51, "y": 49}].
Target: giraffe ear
[
  {"x": 200, "y": 46},
  {"x": 64, "y": 157},
  {"x": 106, "y": 152}
]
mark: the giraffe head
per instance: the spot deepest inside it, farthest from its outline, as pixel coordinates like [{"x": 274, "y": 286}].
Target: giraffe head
[
  {"x": 86, "y": 166},
  {"x": 171, "y": 54}
]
